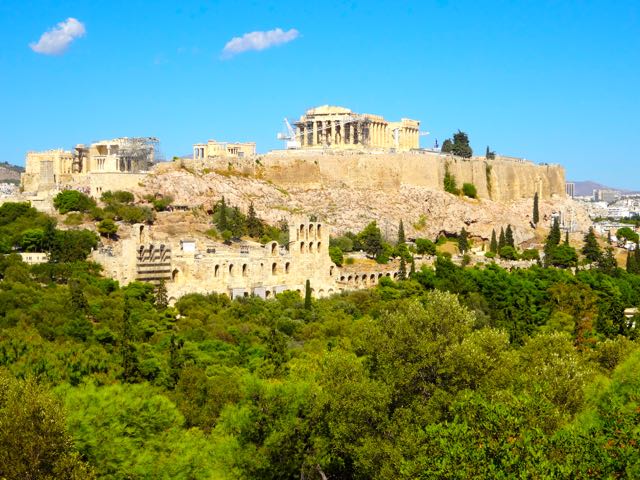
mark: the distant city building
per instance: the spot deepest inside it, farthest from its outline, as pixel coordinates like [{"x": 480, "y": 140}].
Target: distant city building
[
  {"x": 618, "y": 212},
  {"x": 602, "y": 195},
  {"x": 223, "y": 149},
  {"x": 570, "y": 188}
]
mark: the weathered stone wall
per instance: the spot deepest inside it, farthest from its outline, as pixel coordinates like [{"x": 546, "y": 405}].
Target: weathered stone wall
[{"x": 501, "y": 179}]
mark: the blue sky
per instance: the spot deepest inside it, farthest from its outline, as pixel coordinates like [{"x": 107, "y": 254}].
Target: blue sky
[{"x": 551, "y": 81}]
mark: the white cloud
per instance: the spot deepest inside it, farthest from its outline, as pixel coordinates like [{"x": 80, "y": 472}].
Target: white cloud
[
  {"x": 258, "y": 41},
  {"x": 56, "y": 40}
]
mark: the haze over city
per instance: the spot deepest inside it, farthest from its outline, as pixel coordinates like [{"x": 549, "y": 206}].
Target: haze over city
[{"x": 548, "y": 81}]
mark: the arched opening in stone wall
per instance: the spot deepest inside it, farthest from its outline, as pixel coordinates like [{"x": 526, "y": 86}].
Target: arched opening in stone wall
[
  {"x": 274, "y": 246},
  {"x": 274, "y": 268},
  {"x": 372, "y": 278},
  {"x": 267, "y": 294},
  {"x": 331, "y": 271},
  {"x": 175, "y": 275},
  {"x": 321, "y": 293},
  {"x": 318, "y": 247},
  {"x": 310, "y": 231},
  {"x": 310, "y": 247},
  {"x": 349, "y": 278},
  {"x": 301, "y": 232},
  {"x": 140, "y": 233},
  {"x": 216, "y": 271},
  {"x": 301, "y": 247},
  {"x": 231, "y": 269},
  {"x": 245, "y": 270},
  {"x": 286, "y": 267},
  {"x": 319, "y": 232}
]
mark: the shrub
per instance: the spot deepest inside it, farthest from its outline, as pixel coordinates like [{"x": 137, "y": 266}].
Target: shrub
[
  {"x": 349, "y": 261},
  {"x": 107, "y": 227},
  {"x": 490, "y": 255},
  {"x": 469, "y": 190},
  {"x": 73, "y": 201},
  {"x": 336, "y": 255},
  {"x": 425, "y": 246},
  {"x": 119, "y": 196},
  {"x": 508, "y": 253},
  {"x": 161, "y": 204},
  {"x": 74, "y": 219},
  {"x": 450, "y": 182},
  {"x": 530, "y": 254}
]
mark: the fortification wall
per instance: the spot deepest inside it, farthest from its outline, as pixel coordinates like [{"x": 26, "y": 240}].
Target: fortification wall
[{"x": 501, "y": 179}]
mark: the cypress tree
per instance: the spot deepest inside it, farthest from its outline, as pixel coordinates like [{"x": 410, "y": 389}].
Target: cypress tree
[
  {"x": 402, "y": 272},
  {"x": 566, "y": 237},
  {"x": 493, "y": 246},
  {"x": 413, "y": 267},
  {"x": 501, "y": 240},
  {"x": 401, "y": 238},
  {"x": 536, "y": 212},
  {"x": 223, "y": 223},
  {"x": 307, "y": 295},
  {"x": 463, "y": 241},
  {"x": 553, "y": 240},
  {"x": 631, "y": 263},
  {"x": 591, "y": 249},
  {"x": 508, "y": 237},
  {"x": 636, "y": 256}
]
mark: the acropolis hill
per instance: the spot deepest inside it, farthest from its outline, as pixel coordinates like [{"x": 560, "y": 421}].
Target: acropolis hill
[{"x": 342, "y": 168}]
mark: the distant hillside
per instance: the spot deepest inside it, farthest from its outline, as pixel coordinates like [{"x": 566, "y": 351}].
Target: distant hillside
[
  {"x": 587, "y": 187},
  {"x": 10, "y": 173}
]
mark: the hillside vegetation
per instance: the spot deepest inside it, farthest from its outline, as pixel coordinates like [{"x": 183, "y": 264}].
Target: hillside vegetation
[{"x": 453, "y": 373}]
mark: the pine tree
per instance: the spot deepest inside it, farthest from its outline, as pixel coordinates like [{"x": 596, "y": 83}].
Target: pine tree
[
  {"x": 401, "y": 238},
  {"x": 463, "y": 241},
  {"x": 78, "y": 300},
  {"x": 591, "y": 249},
  {"x": 493, "y": 246},
  {"x": 508, "y": 237},
  {"x": 254, "y": 224},
  {"x": 161, "y": 296},
  {"x": 307, "y": 295},
  {"x": 536, "y": 211},
  {"x": 127, "y": 347},
  {"x": 501, "y": 239},
  {"x": 402, "y": 271}
]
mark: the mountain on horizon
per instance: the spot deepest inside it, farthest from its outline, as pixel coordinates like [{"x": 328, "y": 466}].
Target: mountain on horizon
[{"x": 586, "y": 187}]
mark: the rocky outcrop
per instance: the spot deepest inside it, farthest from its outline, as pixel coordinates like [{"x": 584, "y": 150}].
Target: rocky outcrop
[{"x": 349, "y": 201}]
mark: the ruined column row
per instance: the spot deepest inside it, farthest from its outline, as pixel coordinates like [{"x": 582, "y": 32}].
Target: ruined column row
[{"x": 339, "y": 132}]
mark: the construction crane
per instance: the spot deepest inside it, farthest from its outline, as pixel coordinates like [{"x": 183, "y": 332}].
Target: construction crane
[
  {"x": 293, "y": 140},
  {"x": 290, "y": 138}
]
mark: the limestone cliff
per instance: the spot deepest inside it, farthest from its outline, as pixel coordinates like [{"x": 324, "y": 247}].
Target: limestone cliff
[{"x": 351, "y": 190}]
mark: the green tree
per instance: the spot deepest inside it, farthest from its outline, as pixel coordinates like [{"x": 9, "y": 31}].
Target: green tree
[
  {"x": 72, "y": 245},
  {"x": 32, "y": 240},
  {"x": 424, "y": 246},
  {"x": 508, "y": 253},
  {"x": 412, "y": 269},
  {"x": 626, "y": 233},
  {"x": 508, "y": 237},
  {"x": 463, "y": 241},
  {"x": 493, "y": 245},
  {"x": 73, "y": 201},
  {"x": 591, "y": 250},
  {"x": 33, "y": 434},
  {"x": 502, "y": 239},
  {"x": 553, "y": 240},
  {"x": 447, "y": 146},
  {"x": 371, "y": 239},
  {"x": 222, "y": 222},
  {"x": 536, "y": 211},
  {"x": 402, "y": 271},
  {"x": 562, "y": 256},
  {"x": 401, "y": 238},
  {"x": 108, "y": 228},
  {"x": 162, "y": 300},
  {"x": 336, "y": 255},
  {"x": 469, "y": 190},
  {"x": 307, "y": 295},
  {"x": 461, "y": 147},
  {"x": 255, "y": 228}
]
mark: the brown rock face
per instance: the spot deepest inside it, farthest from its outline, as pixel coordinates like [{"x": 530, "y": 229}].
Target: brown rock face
[{"x": 349, "y": 191}]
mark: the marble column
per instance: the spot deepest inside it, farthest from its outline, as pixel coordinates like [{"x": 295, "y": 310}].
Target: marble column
[
  {"x": 300, "y": 137},
  {"x": 315, "y": 134}
]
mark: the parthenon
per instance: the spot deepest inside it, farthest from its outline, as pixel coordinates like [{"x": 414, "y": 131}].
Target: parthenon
[{"x": 339, "y": 127}]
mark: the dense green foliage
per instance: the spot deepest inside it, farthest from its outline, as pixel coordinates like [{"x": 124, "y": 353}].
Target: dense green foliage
[
  {"x": 73, "y": 201},
  {"x": 453, "y": 373},
  {"x": 459, "y": 146},
  {"x": 449, "y": 182}
]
